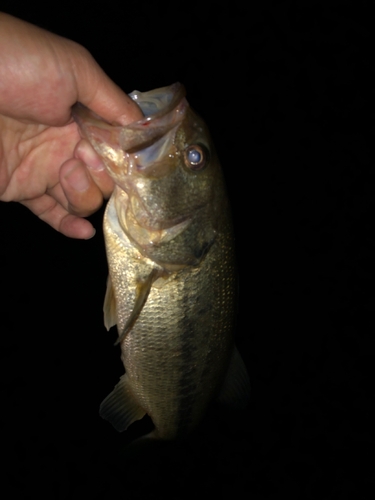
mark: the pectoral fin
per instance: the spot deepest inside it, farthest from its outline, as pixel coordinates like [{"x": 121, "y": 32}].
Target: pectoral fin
[
  {"x": 143, "y": 289},
  {"x": 235, "y": 391},
  {"x": 109, "y": 307},
  {"x": 120, "y": 407}
]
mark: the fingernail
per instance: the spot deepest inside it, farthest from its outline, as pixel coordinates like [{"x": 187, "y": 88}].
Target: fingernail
[
  {"x": 78, "y": 179},
  {"x": 93, "y": 234},
  {"x": 86, "y": 153},
  {"x": 93, "y": 161}
]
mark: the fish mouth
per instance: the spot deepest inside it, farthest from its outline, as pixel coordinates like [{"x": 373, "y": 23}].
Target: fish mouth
[{"x": 163, "y": 108}]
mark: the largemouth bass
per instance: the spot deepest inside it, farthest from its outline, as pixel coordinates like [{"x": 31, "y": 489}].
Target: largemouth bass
[{"x": 172, "y": 288}]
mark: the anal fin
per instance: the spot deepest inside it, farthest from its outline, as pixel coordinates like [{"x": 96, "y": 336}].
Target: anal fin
[{"x": 120, "y": 408}]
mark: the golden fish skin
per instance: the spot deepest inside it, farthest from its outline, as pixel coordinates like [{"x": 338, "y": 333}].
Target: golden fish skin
[{"x": 172, "y": 289}]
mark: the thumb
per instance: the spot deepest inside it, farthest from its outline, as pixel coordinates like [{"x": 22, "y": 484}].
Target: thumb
[{"x": 99, "y": 93}]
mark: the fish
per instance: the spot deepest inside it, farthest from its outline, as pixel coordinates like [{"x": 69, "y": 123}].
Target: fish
[{"x": 172, "y": 288}]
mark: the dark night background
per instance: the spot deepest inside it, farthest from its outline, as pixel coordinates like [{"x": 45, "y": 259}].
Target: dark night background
[{"x": 288, "y": 96}]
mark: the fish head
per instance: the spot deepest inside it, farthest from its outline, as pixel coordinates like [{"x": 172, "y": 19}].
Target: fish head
[{"x": 168, "y": 178}]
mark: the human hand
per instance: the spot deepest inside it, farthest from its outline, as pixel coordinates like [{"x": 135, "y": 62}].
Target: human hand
[{"x": 44, "y": 163}]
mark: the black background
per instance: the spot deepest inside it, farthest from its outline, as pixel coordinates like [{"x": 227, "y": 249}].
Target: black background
[{"x": 288, "y": 95}]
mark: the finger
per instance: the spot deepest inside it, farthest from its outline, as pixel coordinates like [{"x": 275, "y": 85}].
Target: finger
[
  {"x": 51, "y": 212},
  {"x": 83, "y": 196},
  {"x": 85, "y": 152}
]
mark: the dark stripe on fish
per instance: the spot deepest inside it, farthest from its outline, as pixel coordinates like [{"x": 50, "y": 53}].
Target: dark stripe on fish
[{"x": 188, "y": 379}]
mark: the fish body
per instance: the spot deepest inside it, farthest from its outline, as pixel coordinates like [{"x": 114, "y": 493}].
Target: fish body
[{"x": 172, "y": 287}]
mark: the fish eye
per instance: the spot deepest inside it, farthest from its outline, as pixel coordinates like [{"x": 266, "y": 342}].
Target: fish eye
[{"x": 196, "y": 157}]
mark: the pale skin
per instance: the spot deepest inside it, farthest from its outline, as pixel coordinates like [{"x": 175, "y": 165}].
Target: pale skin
[{"x": 44, "y": 163}]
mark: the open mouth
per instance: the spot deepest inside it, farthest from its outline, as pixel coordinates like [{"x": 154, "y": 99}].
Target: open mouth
[{"x": 162, "y": 108}]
